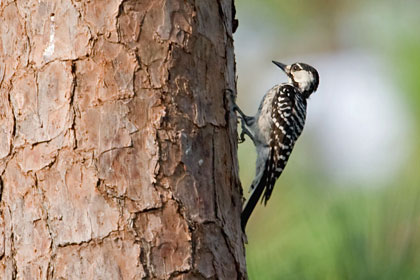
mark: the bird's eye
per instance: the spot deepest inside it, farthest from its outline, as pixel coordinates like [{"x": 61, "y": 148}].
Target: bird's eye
[{"x": 295, "y": 67}]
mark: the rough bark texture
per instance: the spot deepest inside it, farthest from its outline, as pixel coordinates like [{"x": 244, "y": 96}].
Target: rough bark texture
[{"x": 117, "y": 151}]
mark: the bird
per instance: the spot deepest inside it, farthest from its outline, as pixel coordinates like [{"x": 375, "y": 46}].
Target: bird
[{"x": 275, "y": 128}]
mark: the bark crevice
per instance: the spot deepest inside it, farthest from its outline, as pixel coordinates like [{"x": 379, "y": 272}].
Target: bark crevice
[{"x": 120, "y": 153}]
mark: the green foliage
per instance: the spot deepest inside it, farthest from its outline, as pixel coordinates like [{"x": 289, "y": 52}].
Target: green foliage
[{"x": 317, "y": 232}]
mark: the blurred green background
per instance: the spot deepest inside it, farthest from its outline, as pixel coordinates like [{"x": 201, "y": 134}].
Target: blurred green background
[{"x": 348, "y": 204}]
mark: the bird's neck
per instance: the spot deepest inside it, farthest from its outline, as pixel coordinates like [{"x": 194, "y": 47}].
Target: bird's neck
[{"x": 305, "y": 87}]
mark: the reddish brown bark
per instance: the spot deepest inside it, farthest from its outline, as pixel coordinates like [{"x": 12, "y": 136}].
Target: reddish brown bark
[{"x": 117, "y": 151}]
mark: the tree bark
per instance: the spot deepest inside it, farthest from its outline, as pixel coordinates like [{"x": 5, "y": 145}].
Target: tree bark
[{"x": 117, "y": 148}]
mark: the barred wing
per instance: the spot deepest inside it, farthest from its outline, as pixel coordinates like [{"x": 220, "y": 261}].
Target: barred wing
[
  {"x": 286, "y": 128},
  {"x": 283, "y": 136}
]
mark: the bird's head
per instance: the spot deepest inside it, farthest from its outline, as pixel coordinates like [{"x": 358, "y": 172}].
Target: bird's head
[{"x": 302, "y": 76}]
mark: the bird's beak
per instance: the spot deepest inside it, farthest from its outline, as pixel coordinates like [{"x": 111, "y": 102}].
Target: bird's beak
[{"x": 282, "y": 66}]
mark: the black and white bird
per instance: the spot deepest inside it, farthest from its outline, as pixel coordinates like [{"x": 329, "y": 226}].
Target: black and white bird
[{"x": 275, "y": 128}]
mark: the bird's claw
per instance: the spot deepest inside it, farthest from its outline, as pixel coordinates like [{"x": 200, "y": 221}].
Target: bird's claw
[{"x": 241, "y": 138}]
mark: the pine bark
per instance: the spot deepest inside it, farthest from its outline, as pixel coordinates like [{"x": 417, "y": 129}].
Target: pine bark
[{"x": 117, "y": 148}]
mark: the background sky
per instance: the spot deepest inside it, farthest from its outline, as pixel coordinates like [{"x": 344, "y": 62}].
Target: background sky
[{"x": 347, "y": 205}]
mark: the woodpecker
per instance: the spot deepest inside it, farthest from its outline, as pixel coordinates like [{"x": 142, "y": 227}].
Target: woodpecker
[{"x": 275, "y": 128}]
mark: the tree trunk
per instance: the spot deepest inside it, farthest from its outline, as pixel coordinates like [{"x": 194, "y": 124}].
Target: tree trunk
[{"x": 117, "y": 151}]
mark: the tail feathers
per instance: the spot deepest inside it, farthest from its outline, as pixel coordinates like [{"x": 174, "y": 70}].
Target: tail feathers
[
  {"x": 265, "y": 185},
  {"x": 252, "y": 201}
]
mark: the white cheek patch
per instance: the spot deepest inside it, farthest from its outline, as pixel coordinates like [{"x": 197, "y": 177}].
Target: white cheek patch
[{"x": 303, "y": 78}]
